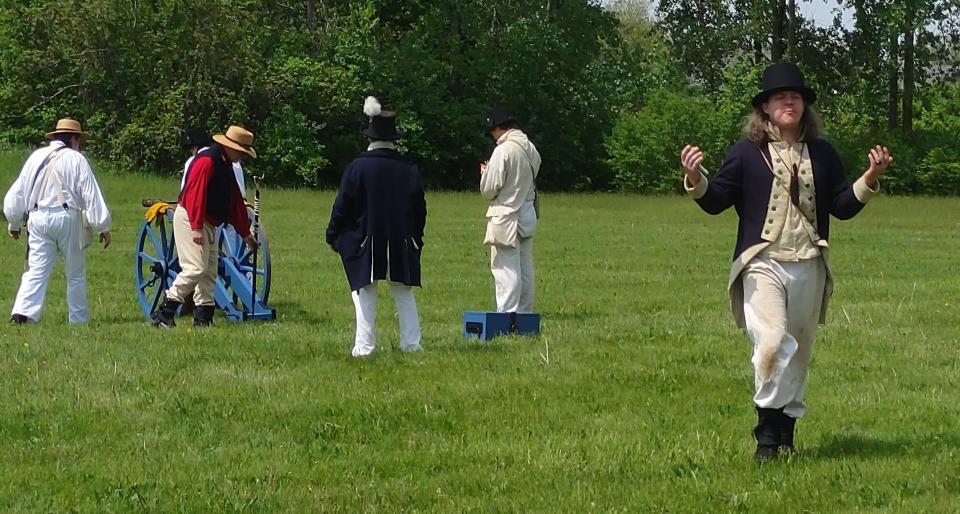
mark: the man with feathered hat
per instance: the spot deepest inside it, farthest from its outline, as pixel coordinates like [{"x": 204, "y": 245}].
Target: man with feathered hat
[
  {"x": 58, "y": 191},
  {"x": 377, "y": 228}
]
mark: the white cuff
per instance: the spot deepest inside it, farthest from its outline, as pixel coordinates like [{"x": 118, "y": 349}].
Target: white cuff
[
  {"x": 863, "y": 192},
  {"x": 696, "y": 192}
]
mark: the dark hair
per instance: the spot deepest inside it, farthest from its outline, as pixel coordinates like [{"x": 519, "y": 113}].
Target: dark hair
[{"x": 64, "y": 138}]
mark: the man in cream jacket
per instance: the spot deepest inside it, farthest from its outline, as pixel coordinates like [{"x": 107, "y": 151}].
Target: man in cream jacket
[{"x": 508, "y": 183}]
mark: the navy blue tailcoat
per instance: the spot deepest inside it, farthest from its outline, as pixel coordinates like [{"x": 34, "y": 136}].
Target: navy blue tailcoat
[{"x": 378, "y": 218}]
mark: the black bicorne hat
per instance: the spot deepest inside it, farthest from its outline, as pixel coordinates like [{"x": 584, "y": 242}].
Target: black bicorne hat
[
  {"x": 783, "y": 76},
  {"x": 497, "y": 116},
  {"x": 197, "y": 136},
  {"x": 383, "y": 127}
]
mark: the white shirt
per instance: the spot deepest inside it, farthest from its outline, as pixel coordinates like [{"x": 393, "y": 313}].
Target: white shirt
[
  {"x": 80, "y": 189},
  {"x": 237, "y": 173}
]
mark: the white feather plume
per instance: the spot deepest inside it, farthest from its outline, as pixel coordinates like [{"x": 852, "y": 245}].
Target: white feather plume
[{"x": 372, "y": 107}]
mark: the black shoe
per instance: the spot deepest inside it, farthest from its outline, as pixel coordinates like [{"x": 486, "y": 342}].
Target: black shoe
[
  {"x": 203, "y": 315},
  {"x": 766, "y": 453},
  {"x": 163, "y": 318},
  {"x": 20, "y": 319}
]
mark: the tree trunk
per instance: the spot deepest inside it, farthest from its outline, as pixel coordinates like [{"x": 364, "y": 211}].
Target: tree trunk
[
  {"x": 776, "y": 43},
  {"x": 908, "y": 75},
  {"x": 893, "y": 82},
  {"x": 791, "y": 30},
  {"x": 312, "y": 15}
]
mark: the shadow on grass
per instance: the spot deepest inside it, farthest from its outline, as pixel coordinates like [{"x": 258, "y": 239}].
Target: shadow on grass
[
  {"x": 291, "y": 312},
  {"x": 872, "y": 447}
]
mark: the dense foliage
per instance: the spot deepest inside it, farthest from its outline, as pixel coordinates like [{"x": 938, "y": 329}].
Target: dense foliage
[{"x": 609, "y": 91}]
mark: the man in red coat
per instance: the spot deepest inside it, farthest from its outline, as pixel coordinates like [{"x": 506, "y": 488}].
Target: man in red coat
[{"x": 209, "y": 197}]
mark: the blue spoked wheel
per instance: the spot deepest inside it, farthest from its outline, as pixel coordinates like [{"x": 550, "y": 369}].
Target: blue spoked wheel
[
  {"x": 156, "y": 263},
  {"x": 233, "y": 247}
]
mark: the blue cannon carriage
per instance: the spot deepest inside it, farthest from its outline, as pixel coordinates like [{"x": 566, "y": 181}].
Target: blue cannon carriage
[{"x": 156, "y": 266}]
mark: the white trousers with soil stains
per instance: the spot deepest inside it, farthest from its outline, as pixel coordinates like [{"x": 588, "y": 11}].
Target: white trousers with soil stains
[{"x": 781, "y": 304}]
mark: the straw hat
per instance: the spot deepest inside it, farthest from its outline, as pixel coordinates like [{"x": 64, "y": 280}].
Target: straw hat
[
  {"x": 237, "y": 138},
  {"x": 68, "y": 126}
]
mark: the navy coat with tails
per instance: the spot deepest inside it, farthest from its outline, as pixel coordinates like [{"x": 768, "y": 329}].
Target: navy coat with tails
[{"x": 378, "y": 218}]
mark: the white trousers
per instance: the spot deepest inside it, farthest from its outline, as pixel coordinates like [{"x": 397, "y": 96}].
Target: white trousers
[
  {"x": 781, "y": 304},
  {"x": 365, "y": 302},
  {"x": 198, "y": 263},
  {"x": 53, "y": 232},
  {"x": 513, "y": 276}
]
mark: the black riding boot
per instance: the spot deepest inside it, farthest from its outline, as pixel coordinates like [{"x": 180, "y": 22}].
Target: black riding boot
[
  {"x": 767, "y": 433},
  {"x": 203, "y": 315},
  {"x": 163, "y": 318},
  {"x": 787, "y": 424}
]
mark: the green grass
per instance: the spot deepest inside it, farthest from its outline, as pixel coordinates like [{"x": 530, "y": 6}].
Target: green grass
[{"x": 644, "y": 405}]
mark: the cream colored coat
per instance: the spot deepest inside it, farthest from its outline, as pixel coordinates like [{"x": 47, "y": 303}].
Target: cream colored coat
[{"x": 509, "y": 186}]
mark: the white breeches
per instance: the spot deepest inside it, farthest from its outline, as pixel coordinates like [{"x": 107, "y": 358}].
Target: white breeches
[
  {"x": 781, "y": 303},
  {"x": 365, "y": 302},
  {"x": 513, "y": 276},
  {"x": 53, "y": 232}
]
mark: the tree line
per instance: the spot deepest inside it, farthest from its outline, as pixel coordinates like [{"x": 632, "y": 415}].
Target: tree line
[{"x": 609, "y": 91}]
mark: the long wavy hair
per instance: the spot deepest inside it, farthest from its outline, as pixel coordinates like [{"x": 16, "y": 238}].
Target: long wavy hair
[{"x": 755, "y": 128}]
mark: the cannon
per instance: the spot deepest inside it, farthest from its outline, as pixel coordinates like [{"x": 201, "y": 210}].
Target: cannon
[{"x": 156, "y": 266}]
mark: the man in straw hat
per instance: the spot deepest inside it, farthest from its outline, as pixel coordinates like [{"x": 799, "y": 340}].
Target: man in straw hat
[
  {"x": 209, "y": 197},
  {"x": 197, "y": 139},
  {"x": 55, "y": 195},
  {"x": 508, "y": 183},
  {"x": 785, "y": 182},
  {"x": 377, "y": 228}
]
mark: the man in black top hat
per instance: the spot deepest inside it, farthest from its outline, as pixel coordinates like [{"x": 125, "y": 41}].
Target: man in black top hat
[
  {"x": 785, "y": 182},
  {"x": 377, "y": 227}
]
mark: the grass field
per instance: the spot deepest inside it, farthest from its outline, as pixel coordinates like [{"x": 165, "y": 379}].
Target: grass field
[{"x": 643, "y": 406}]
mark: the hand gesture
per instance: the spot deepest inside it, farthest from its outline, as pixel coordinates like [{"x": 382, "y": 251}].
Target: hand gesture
[
  {"x": 15, "y": 234},
  {"x": 880, "y": 160},
  {"x": 251, "y": 241},
  {"x": 691, "y": 157},
  {"x": 197, "y": 237},
  {"x": 483, "y": 167},
  {"x": 105, "y": 238}
]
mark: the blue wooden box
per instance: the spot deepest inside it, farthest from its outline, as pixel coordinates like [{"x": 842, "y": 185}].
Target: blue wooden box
[{"x": 487, "y": 325}]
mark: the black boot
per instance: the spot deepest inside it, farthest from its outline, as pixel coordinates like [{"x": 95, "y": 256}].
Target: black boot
[
  {"x": 203, "y": 315},
  {"x": 163, "y": 318},
  {"x": 787, "y": 424},
  {"x": 20, "y": 319},
  {"x": 767, "y": 433}
]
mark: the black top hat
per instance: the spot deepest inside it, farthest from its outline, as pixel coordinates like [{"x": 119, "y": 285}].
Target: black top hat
[
  {"x": 783, "y": 76},
  {"x": 196, "y": 136},
  {"x": 383, "y": 127},
  {"x": 496, "y": 116}
]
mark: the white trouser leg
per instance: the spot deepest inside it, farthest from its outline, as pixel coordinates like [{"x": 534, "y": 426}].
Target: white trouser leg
[
  {"x": 194, "y": 260},
  {"x": 527, "y": 278},
  {"x": 365, "y": 303},
  {"x": 781, "y": 308},
  {"x": 204, "y": 293},
  {"x": 75, "y": 267},
  {"x": 409, "y": 320},
  {"x": 44, "y": 232},
  {"x": 505, "y": 267}
]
